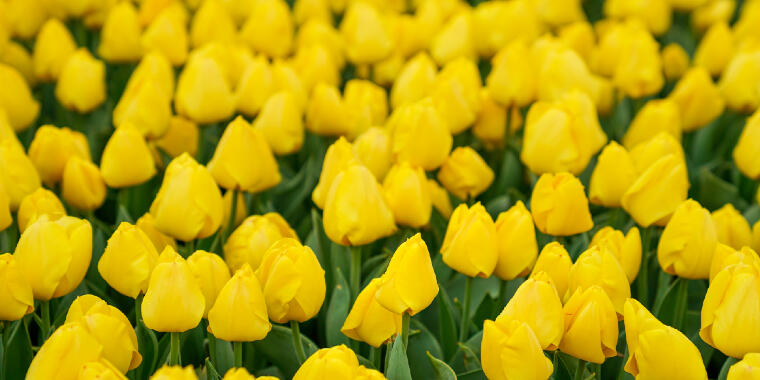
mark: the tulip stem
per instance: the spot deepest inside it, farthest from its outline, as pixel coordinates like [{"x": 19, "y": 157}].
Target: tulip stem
[
  {"x": 464, "y": 326},
  {"x": 237, "y": 350},
  {"x": 356, "y": 270},
  {"x": 405, "y": 318},
  {"x": 174, "y": 354},
  {"x": 580, "y": 369},
  {"x": 502, "y": 293},
  {"x": 375, "y": 355},
  {"x": 642, "y": 281},
  {"x": 681, "y": 306},
  {"x": 297, "y": 342},
  {"x": 231, "y": 221},
  {"x": 45, "y": 320}
]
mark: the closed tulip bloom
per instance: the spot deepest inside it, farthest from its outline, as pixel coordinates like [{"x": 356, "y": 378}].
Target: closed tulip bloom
[
  {"x": 735, "y": 83},
  {"x": 491, "y": 123},
  {"x": 653, "y": 348},
  {"x": 339, "y": 156},
  {"x": 746, "y": 369},
  {"x": 470, "y": 245},
  {"x": 326, "y": 113},
  {"x": 746, "y": 152},
  {"x": 240, "y": 311},
  {"x": 315, "y": 64},
  {"x": 639, "y": 70},
  {"x": 212, "y": 22},
  {"x": 465, "y": 174},
  {"x": 698, "y": 99},
  {"x": 367, "y": 104},
  {"x": 292, "y": 280},
  {"x": 21, "y": 108},
  {"x": 153, "y": 67},
  {"x": 406, "y": 192},
  {"x": 655, "y": 14},
  {"x": 675, "y": 61},
  {"x": 16, "y": 297},
  {"x": 18, "y": 176},
  {"x": 81, "y": 86},
  {"x": 715, "y": 49},
  {"x": 512, "y": 80},
  {"x": 537, "y": 304},
  {"x": 242, "y": 374},
  {"x": 174, "y": 301},
  {"x": 613, "y": 174},
  {"x": 555, "y": 261},
  {"x": 145, "y": 107},
  {"x": 454, "y": 39},
  {"x": 366, "y": 37},
  {"x": 373, "y": 149},
  {"x": 731, "y": 226},
  {"x": 126, "y": 159},
  {"x": 688, "y": 242},
  {"x": 306, "y": 10},
  {"x": 649, "y": 152},
  {"x": 52, "y": 148},
  {"x": 409, "y": 284},
  {"x": 280, "y": 123},
  {"x": 591, "y": 325},
  {"x": 364, "y": 373},
  {"x": 516, "y": 239},
  {"x": 338, "y": 362},
  {"x": 657, "y": 192},
  {"x": 25, "y": 17},
  {"x": 5, "y": 210},
  {"x": 64, "y": 353},
  {"x": 456, "y": 94},
  {"x": 110, "y": 327},
  {"x": 598, "y": 266},
  {"x": 82, "y": 185},
  {"x": 440, "y": 198},
  {"x": 269, "y": 28},
  {"x": 146, "y": 224},
  {"x": 167, "y": 34},
  {"x": 182, "y": 136},
  {"x": 626, "y": 248},
  {"x": 53, "y": 47},
  {"x": 55, "y": 255},
  {"x": 713, "y": 12},
  {"x": 730, "y": 309},
  {"x": 419, "y": 135},
  {"x": 174, "y": 373},
  {"x": 414, "y": 81},
  {"x": 559, "y": 205},
  {"x": 128, "y": 260},
  {"x": 202, "y": 92},
  {"x": 189, "y": 204},
  {"x": 659, "y": 115},
  {"x": 120, "y": 35},
  {"x": 370, "y": 322},
  {"x": 211, "y": 273},
  {"x": 100, "y": 370},
  {"x": 726, "y": 256},
  {"x": 512, "y": 351},
  {"x": 286, "y": 79},
  {"x": 497, "y": 24},
  {"x": 322, "y": 32},
  {"x": 250, "y": 241}
]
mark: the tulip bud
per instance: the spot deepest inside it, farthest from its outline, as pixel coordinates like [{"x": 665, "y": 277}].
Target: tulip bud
[
  {"x": 735, "y": 82},
  {"x": 746, "y": 369},
  {"x": 25, "y": 17},
  {"x": 167, "y": 34},
  {"x": 698, "y": 98},
  {"x": 189, "y": 204},
  {"x": 512, "y": 80},
  {"x": 146, "y": 224},
  {"x": 613, "y": 175},
  {"x": 322, "y": 32},
  {"x": 746, "y": 152},
  {"x": 126, "y": 160},
  {"x": 373, "y": 149},
  {"x": 128, "y": 260},
  {"x": 120, "y": 35},
  {"x": 240, "y": 311},
  {"x": 16, "y": 298},
  {"x": 338, "y": 362},
  {"x": 414, "y": 81},
  {"x": 688, "y": 242},
  {"x": 465, "y": 174},
  {"x": 64, "y": 353},
  {"x": 655, "y": 14},
  {"x": 626, "y": 248},
  {"x": 211, "y": 273},
  {"x": 16, "y": 98},
  {"x": 153, "y": 67},
  {"x": 675, "y": 60},
  {"x": 269, "y": 28},
  {"x": 315, "y": 64},
  {"x": 656, "y": 116},
  {"x": 110, "y": 327},
  {"x": 516, "y": 238},
  {"x": 537, "y": 304},
  {"x": 174, "y": 301},
  {"x": 81, "y": 86},
  {"x": 146, "y": 108},
  {"x": 555, "y": 261},
  {"x": 18, "y": 177},
  {"x": 406, "y": 193},
  {"x": 212, "y": 22},
  {"x": 512, "y": 351},
  {"x": 491, "y": 122},
  {"x": 355, "y": 212},
  {"x": 454, "y": 39},
  {"x": 255, "y": 87},
  {"x": 326, "y": 113},
  {"x": 182, "y": 136},
  {"x": 370, "y": 322},
  {"x": 598, "y": 266},
  {"x": 731, "y": 226},
  {"x": 339, "y": 156},
  {"x": 409, "y": 284},
  {"x": 366, "y": 37},
  {"x": 591, "y": 326},
  {"x": 639, "y": 69},
  {"x": 729, "y": 310},
  {"x": 367, "y": 104},
  {"x": 715, "y": 49},
  {"x": 647, "y": 153},
  {"x": 456, "y": 94},
  {"x": 440, "y": 198},
  {"x": 653, "y": 347},
  {"x": 280, "y": 123},
  {"x": 53, "y": 47},
  {"x": 470, "y": 245},
  {"x": 52, "y": 148},
  {"x": 202, "y": 92},
  {"x": 559, "y": 205},
  {"x": 306, "y": 10},
  {"x": 286, "y": 80},
  {"x": 657, "y": 191},
  {"x": 241, "y": 210},
  {"x": 419, "y": 135},
  {"x": 497, "y": 24},
  {"x": 249, "y": 242},
  {"x": 83, "y": 185},
  {"x": 174, "y": 373},
  {"x": 726, "y": 256}
]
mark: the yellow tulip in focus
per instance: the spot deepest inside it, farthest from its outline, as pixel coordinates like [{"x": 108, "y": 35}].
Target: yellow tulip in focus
[
  {"x": 512, "y": 351},
  {"x": 512, "y": 79},
  {"x": 174, "y": 301},
  {"x": 17, "y": 99},
  {"x": 211, "y": 273},
  {"x": 292, "y": 280},
  {"x": 598, "y": 266},
  {"x": 174, "y": 373},
  {"x": 269, "y": 28},
  {"x": 212, "y": 22},
  {"x": 626, "y": 248},
  {"x": 653, "y": 348},
  {"x": 240, "y": 312},
  {"x": 715, "y": 49},
  {"x": 82, "y": 185},
  {"x": 126, "y": 159},
  {"x": 465, "y": 174},
  {"x": 370, "y": 322},
  {"x": 64, "y": 353},
  {"x": 409, "y": 284},
  {"x": 189, "y": 204},
  {"x": 414, "y": 81},
  {"x": 406, "y": 192},
  {"x": 167, "y": 34},
  {"x": 736, "y": 82},
  {"x": 675, "y": 61},
  {"x": 657, "y": 191},
  {"x": 688, "y": 242},
  {"x": 52, "y": 148},
  {"x": 516, "y": 238},
  {"x": 250, "y": 241},
  {"x": 54, "y": 255},
  {"x": 746, "y": 369},
  {"x": 53, "y": 47},
  {"x": 659, "y": 115},
  {"x": 470, "y": 245},
  {"x": 100, "y": 370},
  {"x": 110, "y": 327},
  {"x": 647, "y": 153},
  {"x": 339, "y": 156},
  {"x": 182, "y": 136},
  {"x": 120, "y": 35},
  {"x": 82, "y": 84},
  {"x": 555, "y": 261},
  {"x": 698, "y": 99},
  {"x": 559, "y": 205},
  {"x": 16, "y": 297},
  {"x": 373, "y": 149},
  {"x": 18, "y": 176},
  {"x": 537, "y": 304},
  {"x": 338, "y": 363},
  {"x": 732, "y": 228},
  {"x": 726, "y": 256},
  {"x": 146, "y": 224},
  {"x": 591, "y": 326},
  {"x": 366, "y": 37},
  {"x": 280, "y": 121},
  {"x": 747, "y": 152},
  {"x": 202, "y": 92},
  {"x": 128, "y": 260},
  {"x": 419, "y": 135},
  {"x": 613, "y": 175},
  {"x": 730, "y": 309},
  {"x": 456, "y": 94}
]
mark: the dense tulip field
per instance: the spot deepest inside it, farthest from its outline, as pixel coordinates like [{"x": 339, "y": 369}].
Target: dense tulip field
[{"x": 379, "y": 189}]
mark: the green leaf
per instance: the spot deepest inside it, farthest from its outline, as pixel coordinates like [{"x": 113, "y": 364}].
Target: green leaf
[
  {"x": 147, "y": 344},
  {"x": 442, "y": 370},
  {"x": 398, "y": 365},
  {"x": 726, "y": 366},
  {"x": 448, "y": 330},
  {"x": 211, "y": 372},
  {"x": 421, "y": 341},
  {"x": 278, "y": 348},
  {"x": 338, "y": 311},
  {"x": 713, "y": 192},
  {"x": 223, "y": 355},
  {"x": 18, "y": 353}
]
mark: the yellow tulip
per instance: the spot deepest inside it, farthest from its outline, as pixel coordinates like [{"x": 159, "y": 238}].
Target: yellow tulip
[
  {"x": 307, "y": 10},
  {"x": 613, "y": 175},
  {"x": 25, "y": 17},
  {"x": 512, "y": 80},
  {"x": 645, "y": 154},
  {"x": 250, "y": 241},
  {"x": 212, "y": 22},
  {"x": 146, "y": 224},
  {"x": 82, "y": 84},
  {"x": 656, "y": 116},
  {"x": 53, "y": 47},
  {"x": 52, "y": 148},
  {"x": 516, "y": 239},
  {"x": 512, "y": 351},
  {"x": 269, "y": 28},
  {"x": 211, "y": 273},
  {"x": 373, "y": 149},
  {"x": 675, "y": 60},
  {"x": 280, "y": 121},
  {"x": 286, "y": 80},
  {"x": 126, "y": 159},
  {"x": 599, "y": 266},
  {"x": 5, "y": 210},
  {"x": 735, "y": 82},
  {"x": 167, "y": 34},
  {"x": 174, "y": 373},
  {"x": 338, "y": 363},
  {"x": 657, "y": 192},
  {"x": 465, "y": 174},
  {"x": 153, "y": 67},
  {"x": 698, "y": 99},
  {"x": 315, "y": 64},
  {"x": 202, "y": 92},
  {"x": 21, "y": 108},
  {"x": 730, "y": 309},
  {"x": 653, "y": 347},
  {"x": 537, "y": 304},
  {"x": 731, "y": 226},
  {"x": 82, "y": 185},
  {"x": 241, "y": 210},
  {"x": 182, "y": 136},
  {"x": 189, "y": 204},
  {"x": 591, "y": 326},
  {"x": 746, "y": 152},
  {"x": 407, "y": 194},
  {"x": 626, "y": 248},
  {"x": 370, "y": 322},
  {"x": 726, "y": 256},
  {"x": 715, "y": 49},
  {"x": 355, "y": 212},
  {"x": 746, "y": 369},
  {"x": 174, "y": 301},
  {"x": 491, "y": 122},
  {"x": 440, "y": 198},
  {"x": 16, "y": 296},
  {"x": 339, "y": 156},
  {"x": 712, "y": 12},
  {"x": 326, "y": 113},
  {"x": 559, "y": 205},
  {"x": 497, "y": 24},
  {"x": 367, "y": 104},
  {"x": 255, "y": 86},
  {"x": 687, "y": 5},
  {"x": 146, "y": 107},
  {"x": 688, "y": 242},
  {"x": 128, "y": 260},
  {"x": 454, "y": 39},
  {"x": 639, "y": 71},
  {"x": 324, "y": 33},
  {"x": 110, "y": 327},
  {"x": 292, "y": 280},
  {"x": 456, "y": 94},
  {"x": 240, "y": 311},
  {"x": 414, "y": 81},
  {"x": 365, "y": 35},
  {"x": 419, "y": 135},
  {"x": 63, "y": 354},
  {"x": 6, "y": 130},
  {"x": 100, "y": 370},
  {"x": 655, "y": 14},
  {"x": 555, "y": 261},
  {"x": 409, "y": 284},
  {"x": 18, "y": 176},
  {"x": 120, "y": 35},
  {"x": 470, "y": 245}
]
